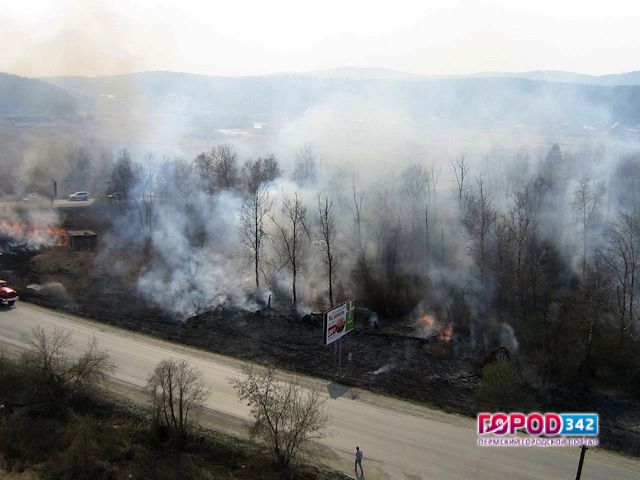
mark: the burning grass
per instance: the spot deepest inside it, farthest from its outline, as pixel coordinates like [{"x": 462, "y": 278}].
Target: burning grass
[
  {"x": 429, "y": 327},
  {"x": 17, "y": 234}
]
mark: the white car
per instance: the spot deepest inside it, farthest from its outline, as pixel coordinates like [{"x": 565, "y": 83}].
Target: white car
[
  {"x": 32, "y": 198},
  {"x": 79, "y": 196}
]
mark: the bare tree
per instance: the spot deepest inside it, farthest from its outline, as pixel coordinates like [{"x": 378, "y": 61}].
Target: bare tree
[
  {"x": 218, "y": 168},
  {"x": 59, "y": 377},
  {"x": 254, "y": 173},
  {"x": 286, "y": 415},
  {"x": 176, "y": 389},
  {"x": 433, "y": 176},
  {"x": 124, "y": 175},
  {"x": 593, "y": 302},
  {"x": 622, "y": 255},
  {"x": 460, "y": 169},
  {"x": 430, "y": 219},
  {"x": 358, "y": 198},
  {"x": 145, "y": 202},
  {"x": 305, "y": 167},
  {"x": 327, "y": 238},
  {"x": 585, "y": 205},
  {"x": 415, "y": 181},
  {"x": 256, "y": 205},
  {"x": 522, "y": 228},
  {"x": 414, "y": 186},
  {"x": 430, "y": 222},
  {"x": 179, "y": 181},
  {"x": 293, "y": 230},
  {"x": 78, "y": 170},
  {"x": 479, "y": 218},
  {"x": 225, "y": 166},
  {"x": 204, "y": 164}
]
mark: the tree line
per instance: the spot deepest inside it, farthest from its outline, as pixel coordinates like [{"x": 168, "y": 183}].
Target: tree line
[{"x": 543, "y": 260}]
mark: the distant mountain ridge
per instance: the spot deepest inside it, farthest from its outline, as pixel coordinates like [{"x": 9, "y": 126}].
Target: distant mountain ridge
[
  {"x": 358, "y": 73},
  {"x": 485, "y": 100},
  {"x": 559, "y": 76},
  {"x": 628, "y": 78}
]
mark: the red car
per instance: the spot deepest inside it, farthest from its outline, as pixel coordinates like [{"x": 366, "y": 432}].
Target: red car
[{"x": 8, "y": 296}]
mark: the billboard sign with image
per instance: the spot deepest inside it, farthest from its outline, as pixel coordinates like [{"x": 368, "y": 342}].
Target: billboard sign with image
[{"x": 339, "y": 321}]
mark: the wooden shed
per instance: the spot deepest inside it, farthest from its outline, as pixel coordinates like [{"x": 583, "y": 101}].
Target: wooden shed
[{"x": 82, "y": 240}]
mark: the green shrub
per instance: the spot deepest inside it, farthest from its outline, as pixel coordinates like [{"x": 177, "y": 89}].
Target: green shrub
[{"x": 503, "y": 385}]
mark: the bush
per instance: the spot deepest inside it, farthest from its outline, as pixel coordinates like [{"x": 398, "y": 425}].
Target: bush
[
  {"x": 55, "y": 377},
  {"x": 26, "y": 439},
  {"x": 12, "y": 382},
  {"x": 503, "y": 385}
]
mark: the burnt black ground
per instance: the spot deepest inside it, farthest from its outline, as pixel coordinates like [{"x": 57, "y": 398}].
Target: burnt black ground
[{"x": 384, "y": 359}]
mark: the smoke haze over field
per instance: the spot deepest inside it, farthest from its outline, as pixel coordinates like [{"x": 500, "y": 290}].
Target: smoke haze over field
[
  {"x": 437, "y": 189},
  {"x": 395, "y": 142},
  {"x": 486, "y": 224}
]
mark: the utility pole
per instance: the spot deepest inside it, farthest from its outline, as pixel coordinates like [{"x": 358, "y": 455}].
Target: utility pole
[
  {"x": 54, "y": 190},
  {"x": 339, "y": 357},
  {"x": 582, "y": 452}
]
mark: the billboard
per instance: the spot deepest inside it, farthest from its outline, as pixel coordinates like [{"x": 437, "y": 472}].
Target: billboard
[{"x": 339, "y": 321}]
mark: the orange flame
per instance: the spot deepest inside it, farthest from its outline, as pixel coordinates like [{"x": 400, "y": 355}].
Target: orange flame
[
  {"x": 31, "y": 234},
  {"x": 429, "y": 326},
  {"x": 446, "y": 334},
  {"x": 428, "y": 320}
]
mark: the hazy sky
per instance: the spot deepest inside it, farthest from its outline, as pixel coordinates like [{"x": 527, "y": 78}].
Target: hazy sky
[{"x": 238, "y": 37}]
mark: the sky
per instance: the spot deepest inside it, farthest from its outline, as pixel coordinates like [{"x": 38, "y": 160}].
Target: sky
[{"x": 242, "y": 37}]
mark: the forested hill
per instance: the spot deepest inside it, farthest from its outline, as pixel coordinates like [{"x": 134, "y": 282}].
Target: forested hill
[
  {"x": 25, "y": 96},
  {"x": 471, "y": 101}
]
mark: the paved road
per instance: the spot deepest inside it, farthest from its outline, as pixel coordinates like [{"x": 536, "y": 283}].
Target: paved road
[
  {"x": 47, "y": 203},
  {"x": 400, "y": 440}
]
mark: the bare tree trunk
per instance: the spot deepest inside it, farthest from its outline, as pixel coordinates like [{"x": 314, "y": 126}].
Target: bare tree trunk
[
  {"x": 327, "y": 238},
  {"x": 256, "y": 251}
]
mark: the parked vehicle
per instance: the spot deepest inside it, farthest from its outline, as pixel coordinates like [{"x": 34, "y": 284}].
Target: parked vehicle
[
  {"x": 79, "y": 196},
  {"x": 33, "y": 198},
  {"x": 8, "y": 296}
]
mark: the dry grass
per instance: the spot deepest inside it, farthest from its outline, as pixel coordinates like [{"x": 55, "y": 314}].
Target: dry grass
[{"x": 27, "y": 475}]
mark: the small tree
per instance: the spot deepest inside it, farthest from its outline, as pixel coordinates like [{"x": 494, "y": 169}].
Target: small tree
[
  {"x": 176, "y": 389},
  {"x": 286, "y": 415},
  {"x": 124, "y": 175},
  {"x": 460, "y": 169},
  {"x": 218, "y": 168},
  {"x": 225, "y": 166},
  {"x": 204, "y": 167},
  {"x": 304, "y": 172},
  {"x": 502, "y": 384},
  {"x": 255, "y": 173}
]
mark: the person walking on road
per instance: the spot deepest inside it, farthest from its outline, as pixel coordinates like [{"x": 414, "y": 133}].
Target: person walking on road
[{"x": 358, "y": 461}]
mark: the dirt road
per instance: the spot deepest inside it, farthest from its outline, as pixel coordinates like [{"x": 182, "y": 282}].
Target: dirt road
[{"x": 400, "y": 440}]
